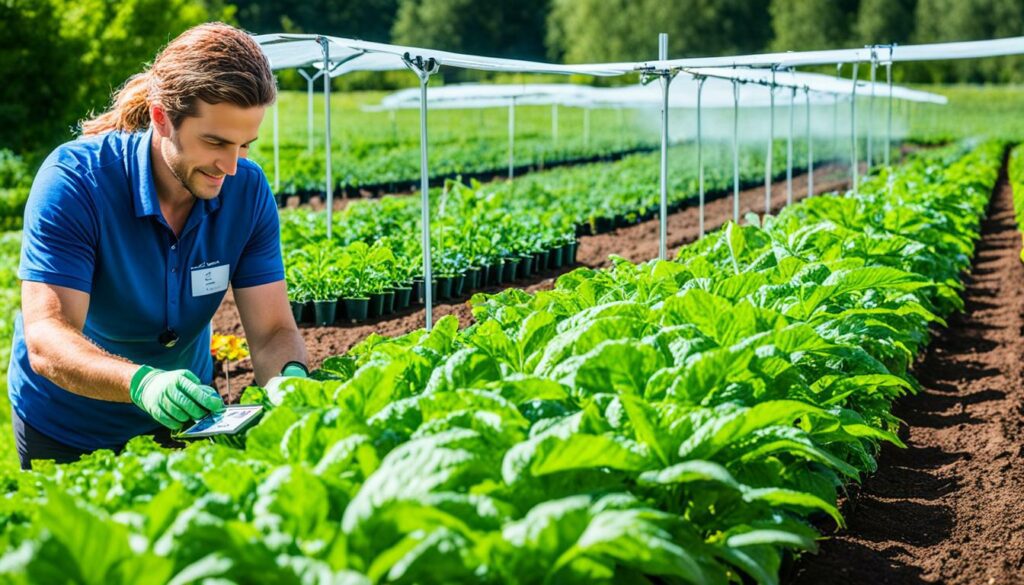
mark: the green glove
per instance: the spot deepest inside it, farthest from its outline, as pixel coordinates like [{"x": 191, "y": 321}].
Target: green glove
[{"x": 173, "y": 398}]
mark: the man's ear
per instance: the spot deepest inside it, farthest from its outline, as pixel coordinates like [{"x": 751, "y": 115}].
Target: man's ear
[{"x": 161, "y": 121}]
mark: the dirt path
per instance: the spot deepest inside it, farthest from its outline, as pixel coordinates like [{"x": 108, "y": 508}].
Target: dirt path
[
  {"x": 950, "y": 507},
  {"x": 636, "y": 243}
]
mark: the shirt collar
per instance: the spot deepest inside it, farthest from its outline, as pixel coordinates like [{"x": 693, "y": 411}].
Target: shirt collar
[
  {"x": 146, "y": 202},
  {"x": 144, "y": 189}
]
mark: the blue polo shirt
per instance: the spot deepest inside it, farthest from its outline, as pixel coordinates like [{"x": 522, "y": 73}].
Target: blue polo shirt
[{"x": 93, "y": 223}]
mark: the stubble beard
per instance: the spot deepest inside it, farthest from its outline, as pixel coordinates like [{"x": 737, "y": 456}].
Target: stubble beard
[{"x": 178, "y": 168}]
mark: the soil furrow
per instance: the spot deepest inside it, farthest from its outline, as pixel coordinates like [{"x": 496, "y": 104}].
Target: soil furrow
[{"x": 948, "y": 509}]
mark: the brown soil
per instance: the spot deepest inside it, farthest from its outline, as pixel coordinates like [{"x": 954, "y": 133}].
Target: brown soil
[
  {"x": 636, "y": 243},
  {"x": 949, "y": 508}
]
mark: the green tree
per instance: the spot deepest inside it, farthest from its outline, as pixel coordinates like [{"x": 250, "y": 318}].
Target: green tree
[
  {"x": 884, "y": 22},
  {"x": 499, "y": 29},
  {"x": 118, "y": 38},
  {"x": 967, "y": 20},
  {"x": 37, "y": 96},
  {"x": 618, "y": 30},
  {"x": 363, "y": 19},
  {"x": 62, "y": 59},
  {"x": 804, "y": 25}
]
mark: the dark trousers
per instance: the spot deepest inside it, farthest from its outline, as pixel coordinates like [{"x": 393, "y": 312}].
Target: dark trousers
[{"x": 32, "y": 444}]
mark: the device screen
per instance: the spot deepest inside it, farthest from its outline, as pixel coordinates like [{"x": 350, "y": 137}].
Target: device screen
[{"x": 231, "y": 420}]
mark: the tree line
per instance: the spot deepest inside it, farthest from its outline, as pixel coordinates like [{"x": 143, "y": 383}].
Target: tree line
[{"x": 61, "y": 59}]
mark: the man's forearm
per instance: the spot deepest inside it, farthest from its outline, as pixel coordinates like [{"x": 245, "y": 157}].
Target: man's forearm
[
  {"x": 63, "y": 355},
  {"x": 271, "y": 354}
]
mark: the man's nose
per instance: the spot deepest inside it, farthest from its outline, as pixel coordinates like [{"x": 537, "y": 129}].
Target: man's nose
[{"x": 228, "y": 165}]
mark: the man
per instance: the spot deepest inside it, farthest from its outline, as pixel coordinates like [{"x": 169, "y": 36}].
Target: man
[{"x": 132, "y": 235}]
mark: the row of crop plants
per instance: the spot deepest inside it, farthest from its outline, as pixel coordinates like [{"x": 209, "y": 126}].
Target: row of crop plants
[
  {"x": 484, "y": 234},
  {"x": 673, "y": 421}
]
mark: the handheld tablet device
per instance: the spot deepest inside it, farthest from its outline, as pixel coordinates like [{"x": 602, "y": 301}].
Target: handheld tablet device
[{"x": 233, "y": 419}]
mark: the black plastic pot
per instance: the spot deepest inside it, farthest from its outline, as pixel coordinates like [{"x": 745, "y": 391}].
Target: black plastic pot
[
  {"x": 417, "y": 291},
  {"x": 496, "y": 274},
  {"x": 376, "y": 305},
  {"x": 472, "y": 280},
  {"x": 604, "y": 225},
  {"x": 540, "y": 261},
  {"x": 403, "y": 295},
  {"x": 308, "y": 312},
  {"x": 566, "y": 255},
  {"x": 525, "y": 267},
  {"x": 555, "y": 257},
  {"x": 356, "y": 310},
  {"x": 298, "y": 310},
  {"x": 324, "y": 312},
  {"x": 510, "y": 269},
  {"x": 457, "y": 284},
  {"x": 388, "y": 303},
  {"x": 574, "y": 247},
  {"x": 444, "y": 287}
]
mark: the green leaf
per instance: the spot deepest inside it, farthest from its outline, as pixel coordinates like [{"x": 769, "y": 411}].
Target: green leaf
[
  {"x": 785, "y": 498},
  {"x": 466, "y": 368},
  {"x": 565, "y": 446},
  {"x": 690, "y": 472},
  {"x": 729, "y": 424}
]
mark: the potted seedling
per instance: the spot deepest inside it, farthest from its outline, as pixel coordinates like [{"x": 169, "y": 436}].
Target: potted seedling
[
  {"x": 357, "y": 305},
  {"x": 403, "y": 290},
  {"x": 325, "y": 300},
  {"x": 298, "y": 297}
]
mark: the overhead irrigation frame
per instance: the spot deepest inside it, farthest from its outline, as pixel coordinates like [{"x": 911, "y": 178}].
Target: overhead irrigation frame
[{"x": 296, "y": 51}]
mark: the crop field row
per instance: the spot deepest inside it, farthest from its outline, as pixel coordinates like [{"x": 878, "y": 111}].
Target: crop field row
[{"x": 611, "y": 429}]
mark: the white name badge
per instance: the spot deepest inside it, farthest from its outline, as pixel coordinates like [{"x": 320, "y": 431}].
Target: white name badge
[{"x": 206, "y": 281}]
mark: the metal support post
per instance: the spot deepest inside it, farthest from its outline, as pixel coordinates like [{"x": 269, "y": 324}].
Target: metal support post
[
  {"x": 853, "y": 131},
  {"x": 735, "y": 151},
  {"x": 768, "y": 172},
  {"x": 789, "y": 148},
  {"x": 810, "y": 145},
  {"x": 700, "y": 158},
  {"x": 888, "y": 122},
  {"x": 309, "y": 103},
  {"x": 423, "y": 70},
  {"x": 835, "y": 116},
  {"x": 666, "y": 81},
  {"x": 871, "y": 113},
  {"x": 325, "y": 46}
]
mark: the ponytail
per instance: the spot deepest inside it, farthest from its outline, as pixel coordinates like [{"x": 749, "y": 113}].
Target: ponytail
[{"x": 130, "y": 112}]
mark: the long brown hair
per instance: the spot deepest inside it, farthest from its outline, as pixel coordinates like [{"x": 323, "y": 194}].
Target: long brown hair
[{"x": 212, "y": 62}]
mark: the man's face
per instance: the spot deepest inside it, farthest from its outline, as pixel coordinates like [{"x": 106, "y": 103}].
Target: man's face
[{"x": 205, "y": 148}]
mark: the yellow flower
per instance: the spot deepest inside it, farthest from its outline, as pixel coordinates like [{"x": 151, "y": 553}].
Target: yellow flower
[{"x": 228, "y": 347}]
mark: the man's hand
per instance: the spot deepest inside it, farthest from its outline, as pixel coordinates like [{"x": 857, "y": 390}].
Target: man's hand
[{"x": 173, "y": 398}]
